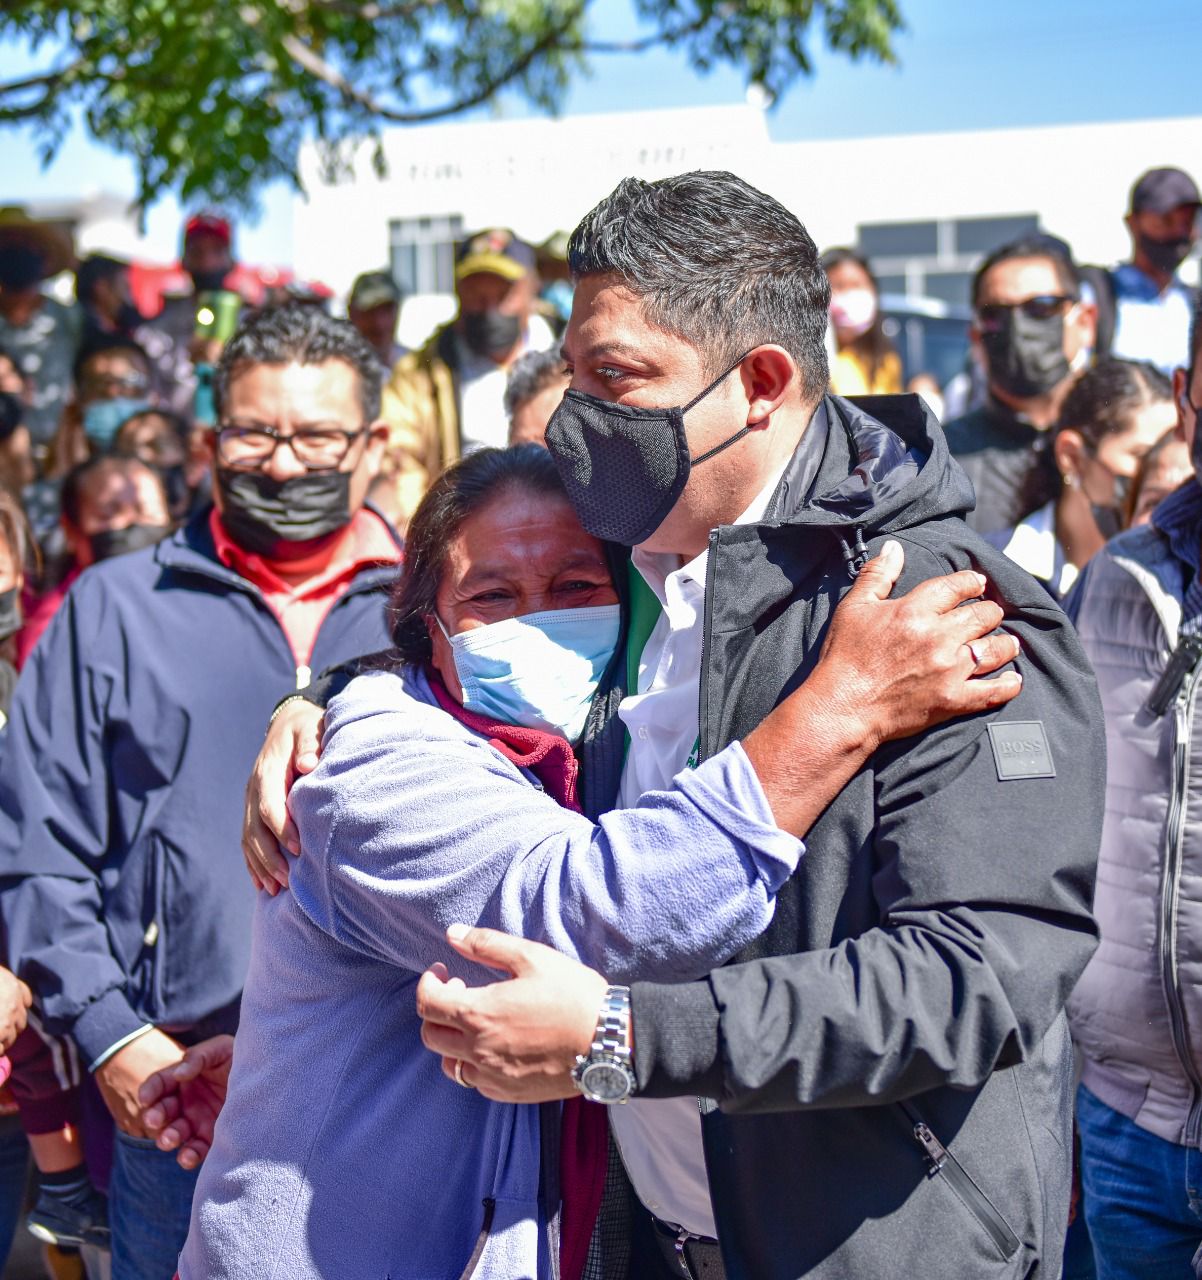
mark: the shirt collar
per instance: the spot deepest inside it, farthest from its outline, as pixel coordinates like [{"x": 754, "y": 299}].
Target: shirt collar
[
  {"x": 657, "y": 567},
  {"x": 1179, "y": 518}
]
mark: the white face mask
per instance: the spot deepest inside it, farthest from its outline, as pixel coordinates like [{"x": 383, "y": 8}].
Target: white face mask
[
  {"x": 540, "y": 670},
  {"x": 853, "y": 311}
]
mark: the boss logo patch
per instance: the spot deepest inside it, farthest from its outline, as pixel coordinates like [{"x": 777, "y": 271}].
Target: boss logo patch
[{"x": 1020, "y": 750}]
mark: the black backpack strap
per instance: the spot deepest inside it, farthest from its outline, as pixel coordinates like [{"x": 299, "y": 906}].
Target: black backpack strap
[{"x": 1102, "y": 283}]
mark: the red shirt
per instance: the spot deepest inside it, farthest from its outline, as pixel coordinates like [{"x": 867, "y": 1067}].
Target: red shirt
[
  {"x": 39, "y": 614},
  {"x": 301, "y": 608}
]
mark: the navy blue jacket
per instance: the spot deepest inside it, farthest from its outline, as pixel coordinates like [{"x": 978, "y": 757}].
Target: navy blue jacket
[{"x": 123, "y": 892}]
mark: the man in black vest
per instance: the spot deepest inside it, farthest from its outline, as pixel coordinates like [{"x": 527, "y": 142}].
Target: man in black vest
[{"x": 884, "y": 1076}]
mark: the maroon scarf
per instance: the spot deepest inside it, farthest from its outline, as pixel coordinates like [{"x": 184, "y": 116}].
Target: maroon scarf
[{"x": 584, "y": 1132}]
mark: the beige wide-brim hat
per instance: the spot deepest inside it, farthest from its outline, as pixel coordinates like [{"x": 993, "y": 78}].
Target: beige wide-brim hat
[{"x": 16, "y": 226}]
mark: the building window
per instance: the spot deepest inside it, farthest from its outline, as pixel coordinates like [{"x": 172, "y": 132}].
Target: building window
[
  {"x": 936, "y": 259},
  {"x": 421, "y": 253}
]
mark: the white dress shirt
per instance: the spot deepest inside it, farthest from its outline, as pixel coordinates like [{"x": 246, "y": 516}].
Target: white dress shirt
[{"x": 660, "y": 1139}]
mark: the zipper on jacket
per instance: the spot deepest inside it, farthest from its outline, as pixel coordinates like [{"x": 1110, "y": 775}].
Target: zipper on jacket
[
  {"x": 1170, "y": 894},
  {"x": 304, "y": 677},
  {"x": 707, "y": 622},
  {"x": 942, "y": 1162}
]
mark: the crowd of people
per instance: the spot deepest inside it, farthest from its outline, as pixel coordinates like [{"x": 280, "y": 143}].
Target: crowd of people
[{"x": 713, "y": 819}]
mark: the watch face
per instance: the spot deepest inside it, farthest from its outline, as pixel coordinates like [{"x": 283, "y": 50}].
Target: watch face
[{"x": 605, "y": 1082}]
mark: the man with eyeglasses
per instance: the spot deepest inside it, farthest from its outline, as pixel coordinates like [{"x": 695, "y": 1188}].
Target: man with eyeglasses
[
  {"x": 122, "y": 889},
  {"x": 1032, "y": 332}
]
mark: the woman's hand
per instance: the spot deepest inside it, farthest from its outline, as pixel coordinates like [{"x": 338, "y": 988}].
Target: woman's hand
[
  {"x": 15, "y": 999},
  {"x": 889, "y": 668},
  {"x": 291, "y": 749},
  {"x": 900, "y": 665},
  {"x": 181, "y": 1103}
]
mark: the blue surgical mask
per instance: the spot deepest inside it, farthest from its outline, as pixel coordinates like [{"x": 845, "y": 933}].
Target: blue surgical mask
[
  {"x": 539, "y": 671},
  {"x": 102, "y": 419}
]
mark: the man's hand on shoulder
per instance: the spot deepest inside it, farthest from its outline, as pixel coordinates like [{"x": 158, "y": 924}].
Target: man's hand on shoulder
[
  {"x": 122, "y": 1076},
  {"x": 518, "y": 1039},
  {"x": 899, "y": 665}
]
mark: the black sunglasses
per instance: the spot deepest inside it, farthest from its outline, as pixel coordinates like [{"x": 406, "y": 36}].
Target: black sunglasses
[{"x": 993, "y": 315}]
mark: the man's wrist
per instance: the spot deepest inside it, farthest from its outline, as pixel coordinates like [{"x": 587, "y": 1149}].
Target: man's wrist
[
  {"x": 111, "y": 1052},
  {"x": 605, "y": 1073}
]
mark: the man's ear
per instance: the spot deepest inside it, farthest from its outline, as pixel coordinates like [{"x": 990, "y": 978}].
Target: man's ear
[
  {"x": 768, "y": 373},
  {"x": 1187, "y": 419},
  {"x": 377, "y": 443},
  {"x": 1087, "y": 325}
]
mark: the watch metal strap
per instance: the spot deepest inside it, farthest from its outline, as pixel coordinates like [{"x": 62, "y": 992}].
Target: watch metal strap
[{"x": 613, "y": 1025}]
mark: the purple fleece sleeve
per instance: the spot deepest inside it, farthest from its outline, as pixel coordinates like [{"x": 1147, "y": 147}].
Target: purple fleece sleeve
[{"x": 411, "y": 823}]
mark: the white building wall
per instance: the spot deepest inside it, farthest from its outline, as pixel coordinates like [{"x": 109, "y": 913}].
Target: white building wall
[
  {"x": 1078, "y": 178},
  {"x": 540, "y": 175}
]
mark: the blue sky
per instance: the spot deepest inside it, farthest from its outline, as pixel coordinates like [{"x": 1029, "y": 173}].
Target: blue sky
[{"x": 964, "y": 64}]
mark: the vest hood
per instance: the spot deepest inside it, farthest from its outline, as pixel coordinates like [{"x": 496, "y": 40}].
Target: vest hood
[{"x": 885, "y": 468}]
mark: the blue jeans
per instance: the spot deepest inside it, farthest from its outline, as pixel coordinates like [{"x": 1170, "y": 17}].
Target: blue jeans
[
  {"x": 150, "y": 1203},
  {"x": 14, "y": 1168},
  {"x": 1142, "y": 1200}
]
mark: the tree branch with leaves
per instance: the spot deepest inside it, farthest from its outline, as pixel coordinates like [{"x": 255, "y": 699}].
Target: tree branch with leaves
[{"x": 213, "y": 98}]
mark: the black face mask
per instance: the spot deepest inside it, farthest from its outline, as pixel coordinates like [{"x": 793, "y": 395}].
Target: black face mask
[
  {"x": 624, "y": 466},
  {"x": 117, "y": 542},
  {"x": 491, "y": 333},
  {"x": 1164, "y": 255},
  {"x": 1026, "y": 356},
  {"x": 209, "y": 281},
  {"x": 282, "y": 519},
  {"x": 1109, "y": 518},
  {"x": 21, "y": 267},
  {"x": 10, "y": 612}
]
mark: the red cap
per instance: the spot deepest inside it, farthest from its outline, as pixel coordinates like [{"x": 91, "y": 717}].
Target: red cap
[{"x": 208, "y": 224}]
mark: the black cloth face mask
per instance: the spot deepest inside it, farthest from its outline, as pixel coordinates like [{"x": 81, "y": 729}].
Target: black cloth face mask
[
  {"x": 117, "y": 542},
  {"x": 1109, "y": 518},
  {"x": 1164, "y": 255},
  {"x": 491, "y": 333},
  {"x": 10, "y": 612},
  {"x": 624, "y": 466},
  {"x": 281, "y": 519},
  {"x": 1026, "y": 355},
  {"x": 210, "y": 281}
]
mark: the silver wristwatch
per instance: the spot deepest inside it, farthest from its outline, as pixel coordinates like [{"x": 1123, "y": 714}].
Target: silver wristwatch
[{"x": 605, "y": 1074}]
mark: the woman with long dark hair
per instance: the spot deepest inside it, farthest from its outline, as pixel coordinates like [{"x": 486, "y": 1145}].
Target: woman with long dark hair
[
  {"x": 865, "y": 361},
  {"x": 1114, "y": 413}
]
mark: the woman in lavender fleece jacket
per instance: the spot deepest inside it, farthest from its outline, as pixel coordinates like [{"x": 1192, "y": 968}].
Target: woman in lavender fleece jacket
[{"x": 342, "y": 1149}]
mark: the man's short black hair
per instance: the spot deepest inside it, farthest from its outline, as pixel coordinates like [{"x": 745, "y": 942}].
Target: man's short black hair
[
  {"x": 531, "y": 373},
  {"x": 104, "y": 344},
  {"x": 716, "y": 262},
  {"x": 1038, "y": 245},
  {"x": 295, "y": 333},
  {"x": 92, "y": 270}
]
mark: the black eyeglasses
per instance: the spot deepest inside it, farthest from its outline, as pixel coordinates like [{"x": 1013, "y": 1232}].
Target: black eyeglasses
[
  {"x": 315, "y": 448},
  {"x": 993, "y": 315}
]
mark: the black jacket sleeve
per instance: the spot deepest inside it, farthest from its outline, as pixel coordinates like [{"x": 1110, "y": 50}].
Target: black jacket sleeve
[{"x": 983, "y": 886}]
